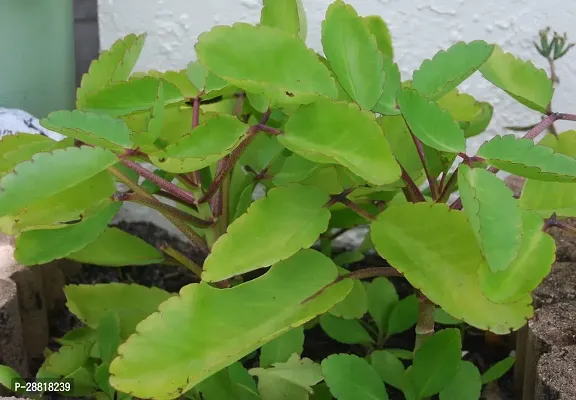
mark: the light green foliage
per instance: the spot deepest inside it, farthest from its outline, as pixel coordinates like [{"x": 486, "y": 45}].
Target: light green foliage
[
  {"x": 524, "y": 158},
  {"x": 472, "y": 115},
  {"x": 206, "y": 144},
  {"x": 36, "y": 247},
  {"x": 386, "y": 105},
  {"x": 429, "y": 123},
  {"x": 355, "y": 305},
  {"x": 297, "y": 77},
  {"x": 348, "y": 331},
  {"x": 176, "y": 122},
  {"x": 382, "y": 299},
  {"x": 350, "y": 377},
  {"x": 294, "y": 169},
  {"x": 520, "y": 79},
  {"x": 132, "y": 303},
  {"x": 203, "y": 79},
  {"x": 112, "y": 65},
  {"x": 493, "y": 214},
  {"x": 145, "y": 140},
  {"x": 233, "y": 382},
  {"x": 449, "y": 68},
  {"x": 22, "y": 146},
  {"x": 403, "y": 316},
  {"x": 47, "y": 174},
  {"x": 466, "y": 385},
  {"x": 353, "y": 54},
  {"x": 280, "y": 349},
  {"x": 290, "y": 380},
  {"x": 389, "y": 367},
  {"x": 498, "y": 370},
  {"x": 380, "y": 30},
  {"x": 338, "y": 132},
  {"x": 285, "y": 15},
  {"x": 176, "y": 78},
  {"x": 94, "y": 129},
  {"x": 298, "y": 215},
  {"x": 116, "y": 248},
  {"x": 435, "y": 248},
  {"x": 169, "y": 352},
  {"x": 7, "y": 375}
]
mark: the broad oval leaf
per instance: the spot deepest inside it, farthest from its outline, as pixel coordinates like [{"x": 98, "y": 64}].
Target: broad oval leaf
[
  {"x": 497, "y": 370},
  {"x": 493, "y": 213},
  {"x": 355, "y": 305},
  {"x": 430, "y": 123},
  {"x": 204, "y": 80},
  {"x": 116, "y": 248},
  {"x": 50, "y": 173},
  {"x": 473, "y": 116},
  {"x": 382, "y": 298},
  {"x": 350, "y": 377},
  {"x": 132, "y": 303},
  {"x": 20, "y": 147},
  {"x": 436, "y": 362},
  {"x": 536, "y": 254},
  {"x": 286, "y": 15},
  {"x": 403, "y": 315},
  {"x": 523, "y": 81},
  {"x": 206, "y": 144},
  {"x": 169, "y": 354},
  {"x": 436, "y": 250},
  {"x": 44, "y": 245},
  {"x": 127, "y": 97},
  {"x": 339, "y": 132},
  {"x": 274, "y": 228},
  {"x": 353, "y": 54},
  {"x": 348, "y": 331},
  {"x": 379, "y": 29},
  {"x": 233, "y": 382},
  {"x": 94, "y": 129},
  {"x": 449, "y": 68},
  {"x": 294, "y": 169},
  {"x": 386, "y": 104},
  {"x": 388, "y": 366},
  {"x": 466, "y": 385},
  {"x": 280, "y": 349},
  {"x": 274, "y": 64},
  {"x": 112, "y": 65},
  {"x": 524, "y": 158}
]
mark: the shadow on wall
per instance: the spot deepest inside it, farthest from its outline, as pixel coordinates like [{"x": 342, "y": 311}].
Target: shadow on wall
[{"x": 86, "y": 35}]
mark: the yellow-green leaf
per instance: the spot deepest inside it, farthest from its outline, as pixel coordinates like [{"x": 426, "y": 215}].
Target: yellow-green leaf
[
  {"x": 473, "y": 116},
  {"x": 379, "y": 29},
  {"x": 285, "y": 15}
]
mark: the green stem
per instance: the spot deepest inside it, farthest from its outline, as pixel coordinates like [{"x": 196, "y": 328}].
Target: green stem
[
  {"x": 447, "y": 190},
  {"x": 425, "y": 324},
  {"x": 128, "y": 182},
  {"x": 182, "y": 259}
]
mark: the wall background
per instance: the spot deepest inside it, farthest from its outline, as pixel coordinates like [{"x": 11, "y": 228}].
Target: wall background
[{"x": 419, "y": 29}]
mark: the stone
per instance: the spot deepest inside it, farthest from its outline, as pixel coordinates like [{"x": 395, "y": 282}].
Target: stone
[
  {"x": 559, "y": 286},
  {"x": 12, "y": 350},
  {"x": 515, "y": 183},
  {"x": 565, "y": 241},
  {"x": 557, "y": 374}
]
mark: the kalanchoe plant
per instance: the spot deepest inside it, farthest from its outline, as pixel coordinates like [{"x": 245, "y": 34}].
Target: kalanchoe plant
[{"x": 337, "y": 141}]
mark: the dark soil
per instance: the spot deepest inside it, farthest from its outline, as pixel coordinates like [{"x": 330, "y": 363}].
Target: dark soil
[{"x": 481, "y": 351}]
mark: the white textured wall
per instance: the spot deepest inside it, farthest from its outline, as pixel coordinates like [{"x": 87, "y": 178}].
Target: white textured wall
[{"x": 419, "y": 29}]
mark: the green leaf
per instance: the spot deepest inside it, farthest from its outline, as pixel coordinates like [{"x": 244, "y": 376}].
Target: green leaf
[
  {"x": 294, "y": 169},
  {"x": 379, "y": 29},
  {"x": 50, "y": 173},
  {"x": 233, "y": 382},
  {"x": 520, "y": 79},
  {"x": 498, "y": 370},
  {"x": 436, "y": 250},
  {"x": 64, "y": 362},
  {"x": 145, "y": 140},
  {"x": 348, "y": 257},
  {"x": 8, "y": 376},
  {"x": 403, "y": 148},
  {"x": 524, "y": 158},
  {"x": 290, "y": 380},
  {"x": 353, "y": 54},
  {"x": 112, "y": 65},
  {"x": 206, "y": 144},
  {"x": 108, "y": 336},
  {"x": 132, "y": 303},
  {"x": 337, "y": 132},
  {"x": 67, "y": 205},
  {"x": 176, "y": 78},
  {"x": 493, "y": 213},
  {"x": 124, "y": 98},
  {"x": 280, "y": 349},
  {"x": 389, "y": 367},
  {"x": 37, "y": 247},
  {"x": 430, "y": 123},
  {"x": 203, "y": 79},
  {"x": 94, "y": 129},
  {"x": 402, "y": 354},
  {"x": 382, "y": 298},
  {"x": 22, "y": 146},
  {"x": 116, "y": 248},
  {"x": 169, "y": 354},
  {"x": 285, "y": 15},
  {"x": 286, "y": 73},
  {"x": 386, "y": 105},
  {"x": 355, "y": 305},
  {"x": 436, "y": 362},
  {"x": 350, "y": 377},
  {"x": 473, "y": 116},
  {"x": 275, "y": 227},
  {"x": 403, "y": 316},
  {"x": 348, "y": 331},
  {"x": 536, "y": 254},
  {"x": 449, "y": 68},
  {"x": 466, "y": 385},
  {"x": 442, "y": 317}
]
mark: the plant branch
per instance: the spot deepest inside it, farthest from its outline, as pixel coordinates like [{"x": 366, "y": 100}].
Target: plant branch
[
  {"x": 357, "y": 209},
  {"x": 136, "y": 188},
  {"x": 411, "y": 186},
  {"x": 239, "y": 105},
  {"x": 161, "y": 182},
  {"x": 269, "y": 129},
  {"x": 425, "y": 324},
  {"x": 196, "y": 111},
  {"x": 182, "y": 259},
  {"x": 431, "y": 180},
  {"x": 446, "y": 191},
  {"x": 553, "y": 222},
  {"x": 170, "y": 196}
]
